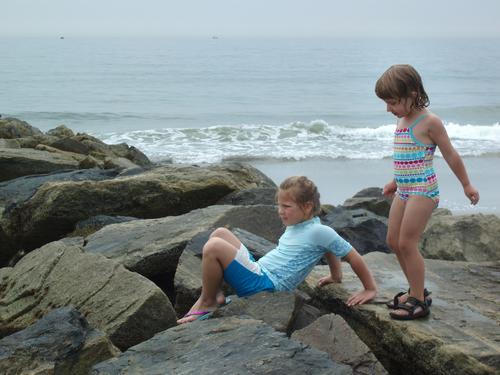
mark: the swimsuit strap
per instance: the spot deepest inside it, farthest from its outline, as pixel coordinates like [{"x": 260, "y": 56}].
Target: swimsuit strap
[{"x": 420, "y": 118}]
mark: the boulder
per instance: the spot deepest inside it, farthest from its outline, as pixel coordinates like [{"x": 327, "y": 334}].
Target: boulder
[
  {"x": 461, "y": 335},
  {"x": 22, "y": 188},
  {"x": 118, "y": 163},
  {"x": 25, "y": 161},
  {"x": 9, "y": 143},
  {"x": 126, "y": 306},
  {"x": 61, "y": 342},
  {"x": 13, "y": 128},
  {"x": 90, "y": 162},
  {"x": 91, "y": 225},
  {"x": 251, "y": 196},
  {"x": 153, "y": 247},
  {"x": 278, "y": 309},
  {"x": 82, "y": 144},
  {"x": 37, "y": 139},
  {"x": 331, "y": 334},
  {"x": 16, "y": 191},
  {"x": 222, "y": 346},
  {"x": 131, "y": 153},
  {"x": 370, "y": 199},
  {"x": 61, "y": 131},
  {"x": 90, "y": 150},
  {"x": 364, "y": 230},
  {"x": 55, "y": 208},
  {"x": 474, "y": 238},
  {"x": 87, "y": 145}
]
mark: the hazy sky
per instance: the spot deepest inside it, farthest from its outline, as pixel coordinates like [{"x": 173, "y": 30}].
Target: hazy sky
[{"x": 251, "y": 17}]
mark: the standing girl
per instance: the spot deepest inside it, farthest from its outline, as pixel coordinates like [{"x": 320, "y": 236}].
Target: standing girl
[
  {"x": 299, "y": 249},
  {"x": 418, "y": 132}
]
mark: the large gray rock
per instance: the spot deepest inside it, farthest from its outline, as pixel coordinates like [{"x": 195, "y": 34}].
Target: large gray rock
[
  {"x": 370, "y": 199},
  {"x": 63, "y": 140},
  {"x": 331, "y": 334},
  {"x": 62, "y": 131},
  {"x": 22, "y": 188},
  {"x": 221, "y": 346},
  {"x": 154, "y": 246},
  {"x": 126, "y": 306},
  {"x": 461, "y": 336},
  {"x": 9, "y": 143},
  {"x": 474, "y": 238},
  {"x": 91, "y": 225},
  {"x": 16, "y": 191},
  {"x": 364, "y": 230},
  {"x": 251, "y": 196},
  {"x": 85, "y": 144},
  {"x": 61, "y": 342},
  {"x": 24, "y": 161},
  {"x": 170, "y": 190},
  {"x": 11, "y": 128},
  {"x": 278, "y": 309}
]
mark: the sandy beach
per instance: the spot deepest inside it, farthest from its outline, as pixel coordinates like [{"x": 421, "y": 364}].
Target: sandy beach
[{"x": 339, "y": 180}]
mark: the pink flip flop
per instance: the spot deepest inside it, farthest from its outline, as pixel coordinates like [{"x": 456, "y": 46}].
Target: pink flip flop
[{"x": 201, "y": 315}]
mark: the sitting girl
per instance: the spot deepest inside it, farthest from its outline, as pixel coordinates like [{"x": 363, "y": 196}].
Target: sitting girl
[{"x": 299, "y": 249}]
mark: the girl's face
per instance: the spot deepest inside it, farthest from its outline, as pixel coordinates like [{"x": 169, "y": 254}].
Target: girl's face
[
  {"x": 399, "y": 107},
  {"x": 291, "y": 212}
]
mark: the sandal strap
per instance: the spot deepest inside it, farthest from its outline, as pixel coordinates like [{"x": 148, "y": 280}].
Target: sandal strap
[
  {"x": 396, "y": 298},
  {"x": 416, "y": 302},
  {"x": 427, "y": 293},
  {"x": 412, "y": 304}
]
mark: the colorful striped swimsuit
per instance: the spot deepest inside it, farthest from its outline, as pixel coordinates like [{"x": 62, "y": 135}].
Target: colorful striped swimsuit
[{"x": 413, "y": 170}]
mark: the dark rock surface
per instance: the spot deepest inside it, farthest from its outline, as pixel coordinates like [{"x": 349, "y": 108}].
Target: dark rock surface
[
  {"x": 364, "y": 230},
  {"x": 222, "y": 346},
  {"x": 461, "y": 335},
  {"x": 56, "y": 207},
  {"x": 53, "y": 344},
  {"x": 474, "y": 238},
  {"x": 126, "y": 306}
]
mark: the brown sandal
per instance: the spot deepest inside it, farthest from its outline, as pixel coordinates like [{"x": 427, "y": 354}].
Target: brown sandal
[
  {"x": 393, "y": 303},
  {"x": 411, "y": 305}
]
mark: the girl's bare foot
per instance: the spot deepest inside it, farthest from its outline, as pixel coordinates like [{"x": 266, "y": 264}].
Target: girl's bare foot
[
  {"x": 220, "y": 298},
  {"x": 197, "y": 311}
]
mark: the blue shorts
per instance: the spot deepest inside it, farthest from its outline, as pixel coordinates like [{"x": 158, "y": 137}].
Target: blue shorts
[{"x": 245, "y": 275}]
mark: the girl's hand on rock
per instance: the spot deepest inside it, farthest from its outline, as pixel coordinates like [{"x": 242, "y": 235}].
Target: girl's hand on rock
[
  {"x": 361, "y": 297},
  {"x": 337, "y": 279}
]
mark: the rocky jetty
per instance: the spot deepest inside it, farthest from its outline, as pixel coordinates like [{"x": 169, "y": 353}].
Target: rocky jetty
[
  {"x": 100, "y": 257},
  {"x": 26, "y": 151}
]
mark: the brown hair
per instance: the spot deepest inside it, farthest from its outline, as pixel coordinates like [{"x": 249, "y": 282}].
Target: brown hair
[
  {"x": 302, "y": 190},
  {"x": 400, "y": 82}
]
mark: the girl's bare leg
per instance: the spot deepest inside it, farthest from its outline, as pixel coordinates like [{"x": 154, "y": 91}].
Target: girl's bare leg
[
  {"x": 394, "y": 227},
  {"x": 217, "y": 255},
  {"x": 416, "y": 215},
  {"x": 228, "y": 236}
]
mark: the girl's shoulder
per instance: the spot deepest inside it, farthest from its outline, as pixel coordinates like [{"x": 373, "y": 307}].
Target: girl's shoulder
[
  {"x": 322, "y": 232},
  {"x": 432, "y": 118},
  {"x": 432, "y": 123}
]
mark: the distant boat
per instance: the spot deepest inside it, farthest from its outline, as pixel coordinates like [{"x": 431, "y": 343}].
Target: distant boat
[
  {"x": 61, "y": 37},
  {"x": 215, "y": 37}
]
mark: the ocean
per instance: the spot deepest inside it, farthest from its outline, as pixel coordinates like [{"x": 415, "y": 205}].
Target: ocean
[{"x": 294, "y": 106}]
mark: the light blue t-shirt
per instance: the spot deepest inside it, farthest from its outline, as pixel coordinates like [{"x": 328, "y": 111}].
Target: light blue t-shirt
[{"x": 299, "y": 250}]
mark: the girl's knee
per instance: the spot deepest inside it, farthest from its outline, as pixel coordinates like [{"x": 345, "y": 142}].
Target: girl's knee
[
  {"x": 393, "y": 243},
  {"x": 212, "y": 245},
  {"x": 407, "y": 246},
  {"x": 220, "y": 232}
]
